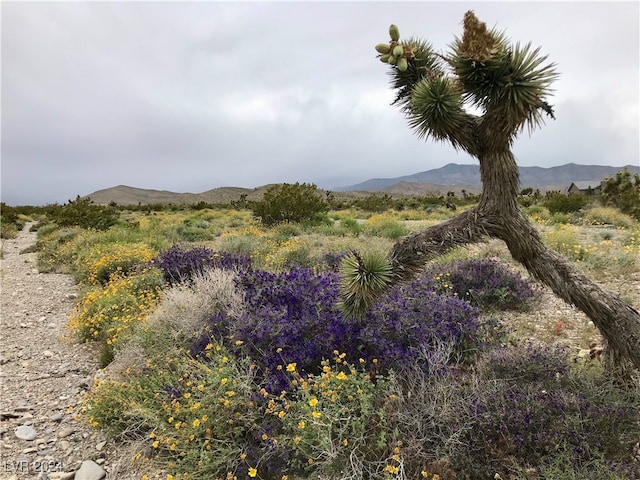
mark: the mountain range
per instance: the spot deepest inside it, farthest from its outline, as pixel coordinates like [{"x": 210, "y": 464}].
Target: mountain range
[
  {"x": 455, "y": 175},
  {"x": 451, "y": 177}
]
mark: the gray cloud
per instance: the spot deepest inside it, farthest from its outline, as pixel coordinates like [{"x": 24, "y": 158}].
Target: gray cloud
[{"x": 192, "y": 96}]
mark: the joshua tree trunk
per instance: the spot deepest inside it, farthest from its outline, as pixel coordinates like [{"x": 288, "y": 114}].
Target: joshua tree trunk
[
  {"x": 498, "y": 216},
  {"x": 509, "y": 83}
]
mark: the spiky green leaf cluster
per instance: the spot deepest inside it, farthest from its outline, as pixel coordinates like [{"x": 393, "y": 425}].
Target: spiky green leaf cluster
[
  {"x": 423, "y": 64},
  {"x": 363, "y": 278},
  {"x": 435, "y": 108},
  {"x": 481, "y": 80},
  {"x": 508, "y": 83}
]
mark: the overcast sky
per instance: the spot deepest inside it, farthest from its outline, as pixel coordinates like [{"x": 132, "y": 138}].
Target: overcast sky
[{"x": 187, "y": 97}]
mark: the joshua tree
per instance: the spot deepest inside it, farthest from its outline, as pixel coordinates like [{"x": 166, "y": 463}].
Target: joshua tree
[{"x": 508, "y": 84}]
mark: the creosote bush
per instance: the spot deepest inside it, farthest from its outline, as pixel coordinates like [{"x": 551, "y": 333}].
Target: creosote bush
[
  {"x": 290, "y": 203},
  {"x": 561, "y": 203},
  {"x": 82, "y": 212},
  {"x": 623, "y": 192}
]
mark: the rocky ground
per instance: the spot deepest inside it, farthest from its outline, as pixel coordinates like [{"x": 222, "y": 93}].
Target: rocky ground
[{"x": 43, "y": 376}]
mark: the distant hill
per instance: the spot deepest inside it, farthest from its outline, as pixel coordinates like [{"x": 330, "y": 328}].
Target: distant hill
[
  {"x": 124, "y": 195},
  {"x": 468, "y": 177}
]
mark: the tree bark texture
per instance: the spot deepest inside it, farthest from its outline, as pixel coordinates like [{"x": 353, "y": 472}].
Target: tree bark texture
[{"x": 498, "y": 216}]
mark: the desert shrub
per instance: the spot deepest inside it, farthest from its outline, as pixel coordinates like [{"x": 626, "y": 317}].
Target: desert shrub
[
  {"x": 293, "y": 317},
  {"x": 412, "y": 318},
  {"x": 45, "y": 228},
  {"x": 291, "y": 254},
  {"x": 289, "y": 317},
  {"x": 537, "y": 213},
  {"x": 11, "y": 221},
  {"x": 54, "y": 246},
  {"x": 290, "y": 203},
  {"x": 623, "y": 192},
  {"x": 285, "y": 231},
  {"x": 332, "y": 260},
  {"x": 351, "y": 225},
  {"x": 251, "y": 241},
  {"x": 196, "y": 417},
  {"x": 530, "y": 363},
  {"x": 333, "y": 422},
  {"x": 8, "y": 230},
  {"x": 527, "y": 416},
  {"x": 484, "y": 282},
  {"x": 430, "y": 415},
  {"x": 384, "y": 225},
  {"x": 525, "y": 411},
  {"x": 179, "y": 264},
  {"x": 606, "y": 216},
  {"x": 81, "y": 212},
  {"x": 564, "y": 467},
  {"x": 632, "y": 242},
  {"x": 104, "y": 313},
  {"x": 99, "y": 263},
  {"x": 194, "y": 231},
  {"x": 376, "y": 203},
  {"x": 559, "y": 219},
  {"x": 185, "y": 308},
  {"x": 565, "y": 240},
  {"x": 560, "y": 203}
]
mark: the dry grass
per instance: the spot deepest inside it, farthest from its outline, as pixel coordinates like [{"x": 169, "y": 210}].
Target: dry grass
[{"x": 185, "y": 308}]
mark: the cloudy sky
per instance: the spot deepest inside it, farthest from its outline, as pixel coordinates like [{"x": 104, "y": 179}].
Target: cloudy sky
[{"x": 191, "y": 96}]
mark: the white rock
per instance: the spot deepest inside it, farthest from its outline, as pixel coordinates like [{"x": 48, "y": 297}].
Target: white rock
[
  {"x": 25, "y": 432},
  {"x": 56, "y": 417},
  {"x": 65, "y": 432},
  {"x": 90, "y": 470}
]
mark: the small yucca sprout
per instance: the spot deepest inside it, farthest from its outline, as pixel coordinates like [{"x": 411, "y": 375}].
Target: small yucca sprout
[{"x": 363, "y": 278}]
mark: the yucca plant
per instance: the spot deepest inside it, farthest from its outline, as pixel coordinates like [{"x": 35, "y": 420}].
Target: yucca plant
[
  {"x": 363, "y": 278},
  {"x": 508, "y": 85}
]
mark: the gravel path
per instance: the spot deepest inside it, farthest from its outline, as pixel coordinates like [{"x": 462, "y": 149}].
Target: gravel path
[{"x": 43, "y": 376}]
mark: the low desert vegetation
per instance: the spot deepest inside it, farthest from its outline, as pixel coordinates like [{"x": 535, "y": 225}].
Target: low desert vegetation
[{"x": 228, "y": 354}]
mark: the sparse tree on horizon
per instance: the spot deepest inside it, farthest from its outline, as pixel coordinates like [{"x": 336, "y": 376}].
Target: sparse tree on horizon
[{"x": 508, "y": 84}]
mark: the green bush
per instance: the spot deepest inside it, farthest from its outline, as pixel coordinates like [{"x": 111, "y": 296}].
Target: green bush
[
  {"x": 560, "y": 203},
  {"x": 376, "y": 203},
  {"x": 290, "y": 203},
  {"x": 10, "y": 221},
  {"x": 81, "y": 212},
  {"x": 351, "y": 225},
  {"x": 623, "y": 191}
]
